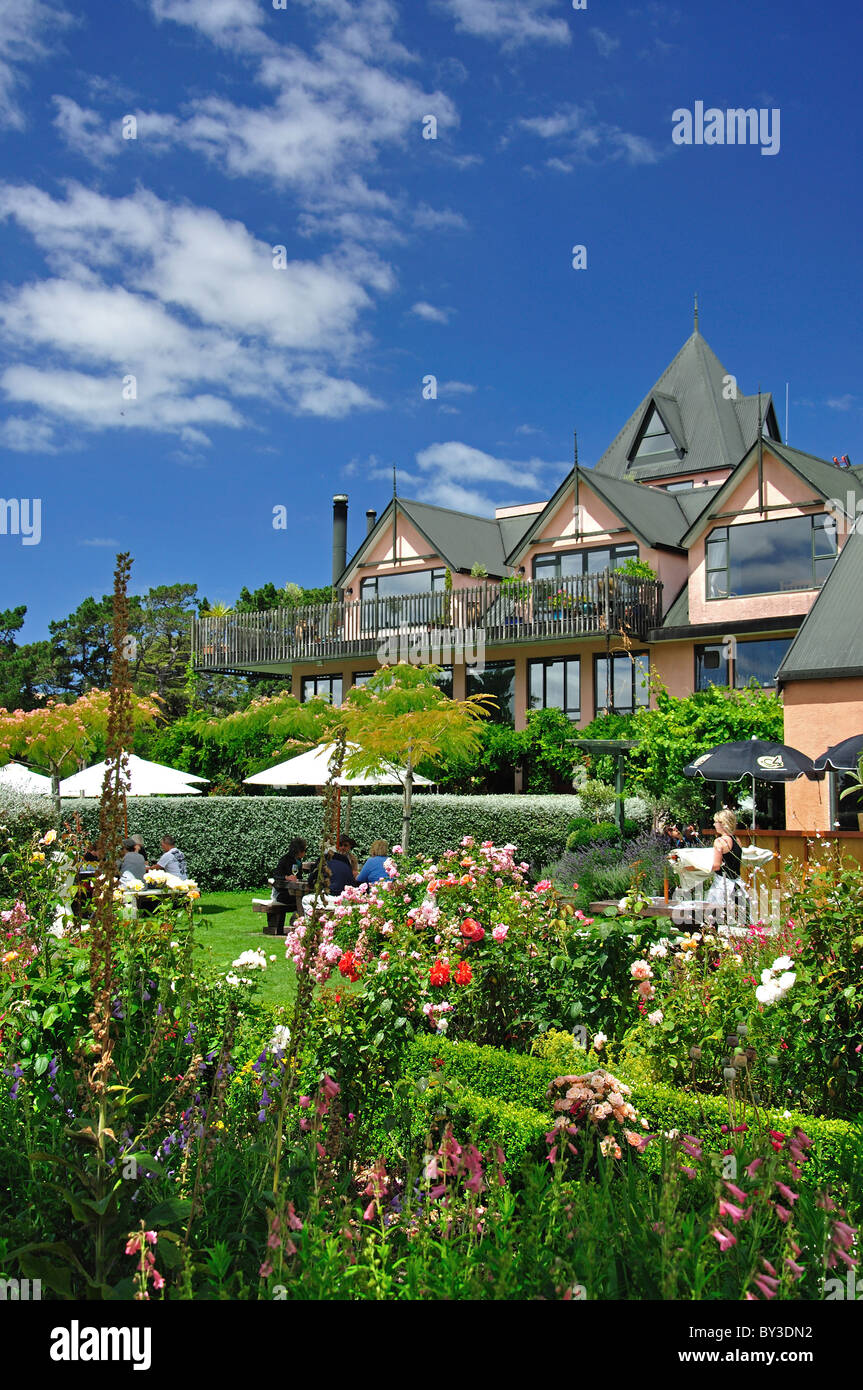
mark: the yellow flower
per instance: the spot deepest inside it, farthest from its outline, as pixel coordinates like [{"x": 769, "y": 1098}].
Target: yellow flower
[
  {"x": 37, "y": 857},
  {"x": 49, "y": 837}
]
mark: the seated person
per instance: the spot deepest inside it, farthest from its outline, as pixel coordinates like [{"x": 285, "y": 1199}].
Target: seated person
[
  {"x": 691, "y": 835},
  {"x": 287, "y": 881},
  {"x": 674, "y": 837},
  {"x": 347, "y": 847},
  {"x": 173, "y": 860},
  {"x": 341, "y": 873},
  {"x": 133, "y": 865},
  {"x": 373, "y": 869}
]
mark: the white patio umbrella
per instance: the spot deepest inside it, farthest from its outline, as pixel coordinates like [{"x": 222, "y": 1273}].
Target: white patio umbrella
[
  {"x": 311, "y": 769},
  {"x": 145, "y": 779},
  {"x": 20, "y": 779}
]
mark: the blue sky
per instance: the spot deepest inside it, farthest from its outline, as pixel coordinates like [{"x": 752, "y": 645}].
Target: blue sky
[{"x": 302, "y": 128}]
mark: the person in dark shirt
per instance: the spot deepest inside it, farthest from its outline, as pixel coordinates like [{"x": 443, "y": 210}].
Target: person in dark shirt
[
  {"x": 287, "y": 880},
  {"x": 341, "y": 873}
]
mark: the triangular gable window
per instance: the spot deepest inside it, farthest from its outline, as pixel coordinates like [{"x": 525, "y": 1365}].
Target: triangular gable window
[{"x": 654, "y": 437}]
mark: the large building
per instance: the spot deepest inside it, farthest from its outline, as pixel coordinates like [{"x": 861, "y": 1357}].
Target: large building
[{"x": 748, "y": 569}]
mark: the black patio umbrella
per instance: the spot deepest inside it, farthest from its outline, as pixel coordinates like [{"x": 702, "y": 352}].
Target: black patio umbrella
[
  {"x": 757, "y": 758},
  {"x": 842, "y": 757}
]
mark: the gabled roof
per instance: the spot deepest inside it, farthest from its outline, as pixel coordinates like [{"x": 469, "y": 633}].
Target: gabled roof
[
  {"x": 653, "y": 515},
  {"x": 825, "y": 479},
  {"x": 458, "y": 538},
  {"x": 716, "y": 431},
  {"x": 830, "y": 641}
]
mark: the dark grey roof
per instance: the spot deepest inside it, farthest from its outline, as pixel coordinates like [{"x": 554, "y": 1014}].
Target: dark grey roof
[
  {"x": 514, "y": 528},
  {"x": 695, "y": 501},
  {"x": 716, "y": 431},
  {"x": 652, "y": 514},
  {"x": 678, "y": 613},
  {"x": 830, "y": 641},
  {"x": 461, "y": 540}
]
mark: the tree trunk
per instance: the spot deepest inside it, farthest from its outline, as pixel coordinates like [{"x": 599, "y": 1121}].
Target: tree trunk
[
  {"x": 406, "y": 812},
  {"x": 55, "y": 794}
]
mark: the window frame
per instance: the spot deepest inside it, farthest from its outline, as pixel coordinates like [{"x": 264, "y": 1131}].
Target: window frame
[
  {"x": 636, "y": 689},
  {"x": 720, "y": 533},
  {"x": 543, "y": 663},
  {"x": 631, "y": 547},
  {"x": 437, "y": 573},
  {"x": 334, "y": 677}
]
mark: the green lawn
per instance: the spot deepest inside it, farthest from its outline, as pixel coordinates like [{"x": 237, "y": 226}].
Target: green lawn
[{"x": 227, "y": 926}]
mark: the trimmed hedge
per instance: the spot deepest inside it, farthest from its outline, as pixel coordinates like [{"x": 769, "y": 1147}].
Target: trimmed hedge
[
  {"x": 234, "y": 842},
  {"x": 505, "y": 1095}
]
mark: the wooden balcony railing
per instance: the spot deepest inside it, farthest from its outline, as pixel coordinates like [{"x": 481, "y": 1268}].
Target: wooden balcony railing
[{"x": 588, "y": 605}]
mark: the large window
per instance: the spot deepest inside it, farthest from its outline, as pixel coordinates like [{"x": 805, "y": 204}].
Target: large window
[
  {"x": 555, "y": 684},
  {"x": 738, "y": 663},
  {"x": 627, "y": 690},
  {"x": 330, "y": 687},
  {"x": 497, "y": 679},
  {"x": 403, "y": 599},
  {"x": 759, "y": 661},
  {"x": 397, "y": 585},
  {"x": 770, "y": 557},
  {"x": 562, "y": 565}
]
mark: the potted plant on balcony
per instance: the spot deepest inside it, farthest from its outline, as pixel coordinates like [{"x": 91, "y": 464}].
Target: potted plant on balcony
[
  {"x": 635, "y": 569},
  {"x": 515, "y": 590}
]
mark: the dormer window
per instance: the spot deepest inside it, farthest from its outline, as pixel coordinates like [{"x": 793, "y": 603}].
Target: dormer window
[{"x": 654, "y": 438}]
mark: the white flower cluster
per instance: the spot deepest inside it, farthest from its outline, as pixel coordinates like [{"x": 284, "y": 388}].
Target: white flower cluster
[
  {"x": 249, "y": 960},
  {"x": 776, "y": 981}
]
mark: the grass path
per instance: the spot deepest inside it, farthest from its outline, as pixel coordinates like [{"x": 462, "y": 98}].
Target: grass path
[{"x": 227, "y": 926}]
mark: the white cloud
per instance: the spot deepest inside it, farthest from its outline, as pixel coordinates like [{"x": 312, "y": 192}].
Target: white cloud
[
  {"x": 230, "y": 23},
  {"x": 841, "y": 402},
  {"x": 98, "y": 541},
  {"x": 430, "y": 313},
  {"x": 527, "y": 429},
  {"x": 605, "y": 43},
  {"x": 26, "y": 26},
  {"x": 26, "y": 436},
  {"x": 510, "y": 22},
  {"x": 457, "y": 475},
  {"x": 188, "y": 303},
  {"x": 438, "y": 219},
  {"x": 328, "y": 114},
  {"x": 456, "y": 388},
  {"x": 585, "y": 139}
]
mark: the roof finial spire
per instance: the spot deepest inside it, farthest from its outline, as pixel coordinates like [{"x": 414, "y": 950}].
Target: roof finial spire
[
  {"x": 395, "y": 494},
  {"x": 696, "y": 312}
]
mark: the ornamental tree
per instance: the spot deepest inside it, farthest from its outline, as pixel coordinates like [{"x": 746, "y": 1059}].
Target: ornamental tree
[
  {"x": 400, "y": 718},
  {"x": 60, "y": 738}
]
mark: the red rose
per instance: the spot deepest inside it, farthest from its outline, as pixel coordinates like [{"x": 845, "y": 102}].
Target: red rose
[
  {"x": 348, "y": 968},
  {"x": 464, "y": 974},
  {"x": 439, "y": 973},
  {"x": 471, "y": 930}
]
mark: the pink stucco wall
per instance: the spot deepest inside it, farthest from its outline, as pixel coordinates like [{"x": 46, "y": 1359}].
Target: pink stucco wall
[{"x": 818, "y": 714}]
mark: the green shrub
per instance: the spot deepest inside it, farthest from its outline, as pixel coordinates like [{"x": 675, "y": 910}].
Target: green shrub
[
  {"x": 604, "y": 833},
  {"x": 514, "y": 1089},
  {"x": 233, "y": 842}
]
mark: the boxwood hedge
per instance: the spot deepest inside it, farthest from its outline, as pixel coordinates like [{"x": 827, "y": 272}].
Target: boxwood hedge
[
  {"x": 233, "y": 842},
  {"x": 504, "y": 1100}
]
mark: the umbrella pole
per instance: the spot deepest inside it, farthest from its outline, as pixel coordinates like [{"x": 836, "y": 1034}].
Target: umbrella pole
[
  {"x": 338, "y": 815},
  {"x": 753, "y": 801}
]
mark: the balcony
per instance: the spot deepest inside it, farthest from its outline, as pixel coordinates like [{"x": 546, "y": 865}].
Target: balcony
[{"x": 591, "y": 605}]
